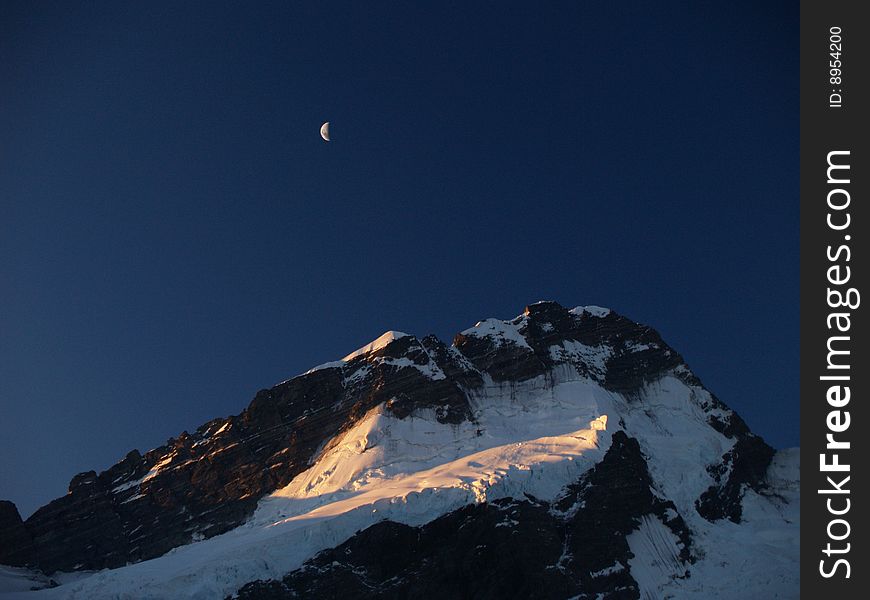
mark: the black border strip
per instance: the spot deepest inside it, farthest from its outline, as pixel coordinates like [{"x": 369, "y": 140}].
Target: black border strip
[{"x": 834, "y": 248}]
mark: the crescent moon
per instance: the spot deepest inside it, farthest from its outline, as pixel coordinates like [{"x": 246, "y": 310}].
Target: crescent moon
[{"x": 324, "y": 131}]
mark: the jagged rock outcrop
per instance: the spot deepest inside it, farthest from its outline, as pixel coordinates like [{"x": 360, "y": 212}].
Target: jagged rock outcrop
[
  {"x": 629, "y": 354},
  {"x": 15, "y": 540},
  {"x": 743, "y": 466}
]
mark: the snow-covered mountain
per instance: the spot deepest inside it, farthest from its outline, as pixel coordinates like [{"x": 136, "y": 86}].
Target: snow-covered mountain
[{"x": 560, "y": 454}]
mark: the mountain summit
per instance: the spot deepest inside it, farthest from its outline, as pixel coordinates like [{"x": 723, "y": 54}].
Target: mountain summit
[{"x": 560, "y": 454}]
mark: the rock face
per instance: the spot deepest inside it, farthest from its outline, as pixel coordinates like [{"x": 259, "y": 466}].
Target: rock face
[
  {"x": 630, "y": 354},
  {"x": 14, "y": 537},
  {"x": 202, "y": 484}
]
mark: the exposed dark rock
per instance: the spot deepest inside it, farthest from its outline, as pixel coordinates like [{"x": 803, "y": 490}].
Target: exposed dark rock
[
  {"x": 635, "y": 354},
  {"x": 726, "y": 421},
  {"x": 506, "y": 361},
  {"x": 606, "y": 505},
  {"x": 503, "y": 549},
  {"x": 744, "y": 465},
  {"x": 454, "y": 365},
  {"x": 15, "y": 540}
]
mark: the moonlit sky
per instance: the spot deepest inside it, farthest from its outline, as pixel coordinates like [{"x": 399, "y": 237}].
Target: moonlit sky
[{"x": 175, "y": 235}]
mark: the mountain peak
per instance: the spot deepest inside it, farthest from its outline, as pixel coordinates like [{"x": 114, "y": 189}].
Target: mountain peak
[
  {"x": 532, "y": 421},
  {"x": 376, "y": 344}
]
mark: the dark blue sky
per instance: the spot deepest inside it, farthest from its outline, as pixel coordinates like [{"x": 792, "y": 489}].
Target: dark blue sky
[{"x": 175, "y": 235}]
